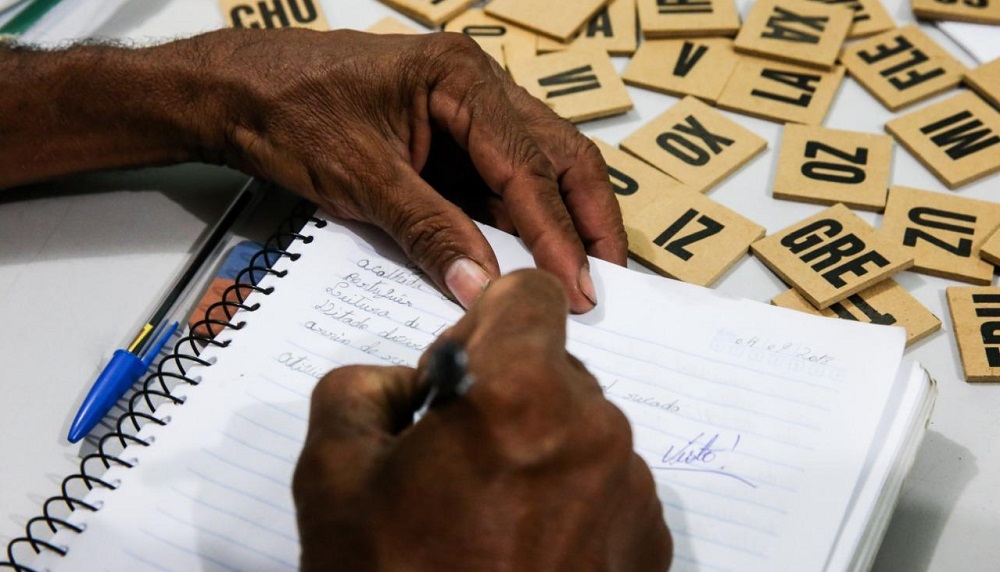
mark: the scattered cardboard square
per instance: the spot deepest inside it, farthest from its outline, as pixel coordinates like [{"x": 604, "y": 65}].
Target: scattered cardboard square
[
  {"x": 886, "y": 304},
  {"x": 390, "y": 25},
  {"x": 985, "y": 79},
  {"x": 696, "y": 66},
  {"x": 496, "y": 37},
  {"x": 977, "y": 11},
  {"x": 687, "y": 18},
  {"x": 990, "y": 250},
  {"x": 901, "y": 67},
  {"x": 829, "y": 166},
  {"x": 943, "y": 232},
  {"x": 695, "y": 144},
  {"x": 579, "y": 84},
  {"x": 431, "y": 13},
  {"x": 804, "y": 33},
  {"x": 781, "y": 92},
  {"x": 612, "y": 29},
  {"x": 868, "y": 17},
  {"x": 958, "y": 139},
  {"x": 279, "y": 14},
  {"x": 975, "y": 316},
  {"x": 673, "y": 229},
  {"x": 830, "y": 256},
  {"x": 558, "y": 20}
]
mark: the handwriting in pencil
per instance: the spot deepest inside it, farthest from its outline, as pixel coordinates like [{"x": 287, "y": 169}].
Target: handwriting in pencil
[
  {"x": 346, "y": 317},
  {"x": 301, "y": 364},
  {"x": 379, "y": 289},
  {"x": 403, "y": 277},
  {"x": 363, "y": 303},
  {"x": 333, "y": 335}
]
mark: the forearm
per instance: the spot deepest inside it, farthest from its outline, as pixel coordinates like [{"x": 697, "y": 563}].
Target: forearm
[{"x": 102, "y": 107}]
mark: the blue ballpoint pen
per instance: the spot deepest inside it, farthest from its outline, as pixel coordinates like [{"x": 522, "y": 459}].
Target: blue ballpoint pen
[
  {"x": 120, "y": 374},
  {"x": 127, "y": 365}
]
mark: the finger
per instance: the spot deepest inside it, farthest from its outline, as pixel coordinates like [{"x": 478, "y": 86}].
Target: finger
[
  {"x": 450, "y": 172},
  {"x": 582, "y": 174},
  {"x": 479, "y": 116},
  {"x": 354, "y": 414},
  {"x": 435, "y": 234},
  {"x": 523, "y": 312},
  {"x": 640, "y": 536},
  {"x": 526, "y": 392}
]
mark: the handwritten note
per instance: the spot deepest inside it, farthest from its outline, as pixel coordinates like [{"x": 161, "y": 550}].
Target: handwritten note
[{"x": 755, "y": 420}]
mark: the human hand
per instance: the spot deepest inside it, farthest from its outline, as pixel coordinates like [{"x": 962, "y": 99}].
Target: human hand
[
  {"x": 532, "y": 469},
  {"x": 349, "y": 120}
]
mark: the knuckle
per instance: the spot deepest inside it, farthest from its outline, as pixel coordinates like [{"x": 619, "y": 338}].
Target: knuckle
[
  {"x": 611, "y": 429},
  {"x": 453, "y": 45},
  {"x": 541, "y": 287},
  {"x": 643, "y": 484},
  {"x": 515, "y": 394},
  {"x": 339, "y": 390},
  {"x": 526, "y": 152},
  {"x": 588, "y": 154},
  {"x": 425, "y": 235}
]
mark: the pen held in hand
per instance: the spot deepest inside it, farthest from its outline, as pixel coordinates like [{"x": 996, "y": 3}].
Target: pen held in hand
[{"x": 447, "y": 373}]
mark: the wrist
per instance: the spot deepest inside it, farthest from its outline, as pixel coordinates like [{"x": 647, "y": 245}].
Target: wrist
[{"x": 100, "y": 107}]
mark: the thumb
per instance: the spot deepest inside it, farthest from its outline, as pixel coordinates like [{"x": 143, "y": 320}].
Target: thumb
[
  {"x": 438, "y": 236},
  {"x": 354, "y": 416}
]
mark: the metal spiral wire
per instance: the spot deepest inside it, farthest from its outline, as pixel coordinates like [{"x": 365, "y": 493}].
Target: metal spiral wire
[{"x": 158, "y": 388}]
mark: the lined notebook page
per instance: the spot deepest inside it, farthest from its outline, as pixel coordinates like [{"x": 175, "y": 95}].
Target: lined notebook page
[{"x": 755, "y": 420}]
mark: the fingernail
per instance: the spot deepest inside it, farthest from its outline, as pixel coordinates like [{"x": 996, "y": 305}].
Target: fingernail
[
  {"x": 466, "y": 280},
  {"x": 586, "y": 285}
]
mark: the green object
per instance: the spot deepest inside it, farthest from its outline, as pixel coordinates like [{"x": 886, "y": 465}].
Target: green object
[{"x": 26, "y": 18}]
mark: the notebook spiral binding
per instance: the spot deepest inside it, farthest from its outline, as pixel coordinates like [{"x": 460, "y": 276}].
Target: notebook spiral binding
[{"x": 156, "y": 388}]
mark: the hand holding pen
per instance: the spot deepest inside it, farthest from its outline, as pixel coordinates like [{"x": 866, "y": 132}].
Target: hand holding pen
[{"x": 527, "y": 468}]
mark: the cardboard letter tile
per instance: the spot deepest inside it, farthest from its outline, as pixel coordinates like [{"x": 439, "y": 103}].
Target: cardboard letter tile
[
  {"x": 978, "y": 11},
  {"x": 687, "y": 18},
  {"x": 430, "y": 13},
  {"x": 578, "y": 84},
  {"x": 695, "y": 144},
  {"x": 276, "y": 14},
  {"x": 958, "y": 139},
  {"x": 943, "y": 232},
  {"x": 805, "y": 33},
  {"x": 390, "y": 25},
  {"x": 990, "y": 250},
  {"x": 675, "y": 230},
  {"x": 828, "y": 166},
  {"x": 612, "y": 29},
  {"x": 558, "y": 20},
  {"x": 886, "y": 303},
  {"x": 514, "y": 43},
  {"x": 986, "y": 81},
  {"x": 902, "y": 66},
  {"x": 696, "y": 66},
  {"x": 975, "y": 315},
  {"x": 868, "y": 17},
  {"x": 780, "y": 92},
  {"x": 831, "y": 255}
]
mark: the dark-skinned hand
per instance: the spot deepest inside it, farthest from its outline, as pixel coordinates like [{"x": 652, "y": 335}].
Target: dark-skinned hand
[{"x": 532, "y": 469}]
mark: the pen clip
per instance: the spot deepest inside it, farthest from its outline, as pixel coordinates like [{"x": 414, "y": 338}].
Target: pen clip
[{"x": 154, "y": 350}]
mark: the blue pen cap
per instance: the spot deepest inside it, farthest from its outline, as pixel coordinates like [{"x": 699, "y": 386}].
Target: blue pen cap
[{"x": 121, "y": 372}]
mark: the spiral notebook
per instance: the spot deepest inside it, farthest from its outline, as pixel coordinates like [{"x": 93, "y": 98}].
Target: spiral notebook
[{"x": 778, "y": 440}]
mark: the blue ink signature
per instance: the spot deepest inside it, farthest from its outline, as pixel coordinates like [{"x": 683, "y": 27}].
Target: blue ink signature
[{"x": 695, "y": 456}]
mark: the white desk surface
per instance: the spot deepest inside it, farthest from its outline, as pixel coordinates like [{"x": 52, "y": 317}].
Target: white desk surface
[{"x": 81, "y": 261}]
